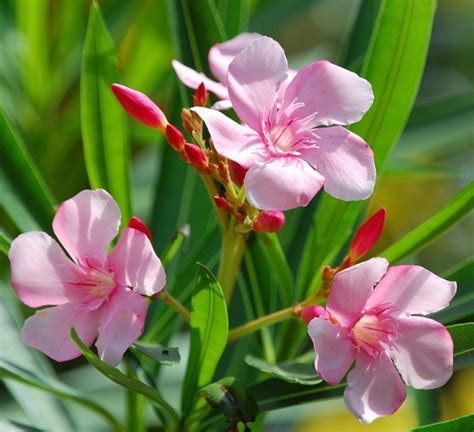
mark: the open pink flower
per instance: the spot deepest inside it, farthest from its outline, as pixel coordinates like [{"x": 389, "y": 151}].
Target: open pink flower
[
  {"x": 97, "y": 293},
  {"x": 369, "y": 319},
  {"x": 288, "y": 156}
]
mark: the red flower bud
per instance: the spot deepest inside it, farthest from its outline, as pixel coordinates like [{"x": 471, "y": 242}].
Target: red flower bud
[
  {"x": 195, "y": 156},
  {"x": 310, "y": 312},
  {"x": 367, "y": 235},
  {"x": 201, "y": 95},
  {"x": 175, "y": 137},
  {"x": 222, "y": 203},
  {"x": 140, "y": 107},
  {"x": 328, "y": 273},
  {"x": 269, "y": 221},
  {"x": 237, "y": 173},
  {"x": 138, "y": 224}
]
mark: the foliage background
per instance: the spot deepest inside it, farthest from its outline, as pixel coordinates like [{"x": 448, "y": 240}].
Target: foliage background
[{"x": 41, "y": 44}]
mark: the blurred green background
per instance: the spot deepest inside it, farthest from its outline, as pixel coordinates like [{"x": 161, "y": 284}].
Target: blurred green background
[{"x": 41, "y": 45}]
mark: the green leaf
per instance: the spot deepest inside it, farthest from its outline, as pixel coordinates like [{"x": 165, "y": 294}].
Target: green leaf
[
  {"x": 460, "y": 424},
  {"x": 23, "y": 193},
  {"x": 274, "y": 394},
  {"x": 13, "y": 426},
  {"x": 123, "y": 380},
  {"x": 104, "y": 132},
  {"x": 289, "y": 371},
  {"x": 54, "y": 387},
  {"x": 230, "y": 396},
  {"x": 4, "y": 244},
  {"x": 463, "y": 338},
  {"x": 235, "y": 15},
  {"x": 428, "y": 231},
  {"x": 167, "y": 356},
  {"x": 209, "y": 331}
]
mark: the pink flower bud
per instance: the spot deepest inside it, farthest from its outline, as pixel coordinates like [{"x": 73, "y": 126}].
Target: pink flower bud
[
  {"x": 223, "y": 203},
  {"x": 140, "y": 107},
  {"x": 175, "y": 137},
  {"x": 139, "y": 225},
  {"x": 237, "y": 173},
  {"x": 310, "y": 312},
  {"x": 367, "y": 235},
  {"x": 201, "y": 95},
  {"x": 195, "y": 156},
  {"x": 269, "y": 221}
]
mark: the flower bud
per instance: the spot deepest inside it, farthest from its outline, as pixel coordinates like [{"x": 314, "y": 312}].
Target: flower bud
[
  {"x": 269, "y": 221},
  {"x": 367, "y": 235},
  {"x": 195, "y": 156},
  {"x": 310, "y": 312},
  {"x": 200, "y": 96},
  {"x": 138, "y": 224},
  {"x": 223, "y": 204},
  {"x": 175, "y": 137},
  {"x": 140, "y": 107},
  {"x": 237, "y": 173}
]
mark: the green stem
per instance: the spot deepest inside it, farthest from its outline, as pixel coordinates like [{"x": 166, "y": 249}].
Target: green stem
[
  {"x": 135, "y": 407},
  {"x": 212, "y": 191},
  {"x": 173, "y": 303},
  {"x": 233, "y": 244}
]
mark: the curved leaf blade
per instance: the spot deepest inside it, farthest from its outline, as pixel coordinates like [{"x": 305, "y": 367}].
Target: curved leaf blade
[
  {"x": 463, "y": 338},
  {"x": 460, "y": 424}
]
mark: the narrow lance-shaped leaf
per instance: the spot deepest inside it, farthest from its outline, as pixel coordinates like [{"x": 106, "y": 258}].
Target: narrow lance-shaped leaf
[
  {"x": 460, "y": 424},
  {"x": 463, "y": 338},
  {"x": 209, "y": 331},
  {"x": 103, "y": 126},
  {"x": 23, "y": 193}
]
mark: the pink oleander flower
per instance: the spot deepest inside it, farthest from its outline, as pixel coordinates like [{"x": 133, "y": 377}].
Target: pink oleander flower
[
  {"x": 96, "y": 292},
  {"x": 370, "y": 318},
  {"x": 289, "y": 156}
]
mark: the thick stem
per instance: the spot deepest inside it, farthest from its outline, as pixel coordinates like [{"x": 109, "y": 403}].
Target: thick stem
[
  {"x": 174, "y": 304},
  {"x": 233, "y": 244}
]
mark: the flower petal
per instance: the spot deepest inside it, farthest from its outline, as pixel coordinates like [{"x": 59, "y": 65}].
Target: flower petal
[
  {"x": 135, "y": 263},
  {"x": 334, "y": 349},
  {"x": 253, "y": 79},
  {"x": 352, "y": 287},
  {"x": 86, "y": 224},
  {"x": 412, "y": 290},
  {"x": 374, "y": 388},
  {"x": 281, "y": 183},
  {"x": 337, "y": 95},
  {"x": 48, "y": 330},
  {"x": 192, "y": 79},
  {"x": 423, "y": 352},
  {"x": 39, "y": 269},
  {"x": 236, "y": 142},
  {"x": 346, "y": 162},
  {"x": 122, "y": 323},
  {"x": 221, "y": 55}
]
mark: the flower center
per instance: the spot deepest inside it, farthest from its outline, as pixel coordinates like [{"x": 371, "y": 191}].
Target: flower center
[{"x": 375, "y": 329}]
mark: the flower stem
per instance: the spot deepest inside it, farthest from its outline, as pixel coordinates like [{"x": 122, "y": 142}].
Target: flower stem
[
  {"x": 212, "y": 191},
  {"x": 174, "y": 304}
]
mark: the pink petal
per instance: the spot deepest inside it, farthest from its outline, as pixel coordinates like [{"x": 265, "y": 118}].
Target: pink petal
[
  {"x": 374, "y": 388},
  {"x": 221, "y": 55},
  {"x": 352, "y": 287},
  {"x": 236, "y": 142},
  {"x": 367, "y": 235},
  {"x": 191, "y": 78},
  {"x": 337, "y": 95},
  {"x": 48, "y": 330},
  {"x": 423, "y": 352},
  {"x": 122, "y": 323},
  {"x": 253, "y": 80},
  {"x": 39, "y": 268},
  {"x": 223, "y": 104},
  {"x": 282, "y": 183},
  {"x": 334, "y": 349},
  {"x": 284, "y": 85},
  {"x": 345, "y": 160},
  {"x": 86, "y": 224},
  {"x": 135, "y": 263},
  {"x": 412, "y": 290}
]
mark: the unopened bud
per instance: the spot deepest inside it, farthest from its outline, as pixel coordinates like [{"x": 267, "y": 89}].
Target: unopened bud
[
  {"x": 223, "y": 204},
  {"x": 328, "y": 273},
  {"x": 195, "y": 156},
  {"x": 200, "y": 96},
  {"x": 367, "y": 235},
  {"x": 269, "y": 221},
  {"x": 311, "y": 312},
  {"x": 139, "y": 225},
  {"x": 140, "y": 107},
  {"x": 237, "y": 173},
  {"x": 175, "y": 137}
]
